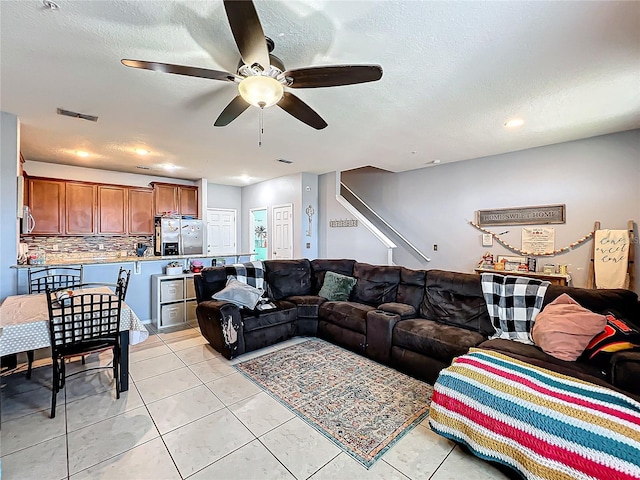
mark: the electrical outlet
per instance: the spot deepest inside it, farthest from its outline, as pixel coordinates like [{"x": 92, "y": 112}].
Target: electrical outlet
[
  {"x": 55, "y": 247},
  {"x": 101, "y": 246},
  {"x": 435, "y": 247}
]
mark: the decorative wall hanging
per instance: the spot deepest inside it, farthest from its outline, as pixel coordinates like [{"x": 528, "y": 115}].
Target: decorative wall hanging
[
  {"x": 343, "y": 223},
  {"x": 522, "y": 252},
  {"x": 309, "y": 211},
  {"x": 538, "y": 239},
  {"x": 542, "y": 215}
]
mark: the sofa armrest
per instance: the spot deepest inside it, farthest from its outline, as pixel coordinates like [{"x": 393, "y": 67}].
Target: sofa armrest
[
  {"x": 221, "y": 324},
  {"x": 379, "y": 335},
  {"x": 402, "y": 309},
  {"x": 625, "y": 371}
]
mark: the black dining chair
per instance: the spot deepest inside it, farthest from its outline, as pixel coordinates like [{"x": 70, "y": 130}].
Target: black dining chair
[
  {"x": 81, "y": 324},
  {"x": 41, "y": 278}
]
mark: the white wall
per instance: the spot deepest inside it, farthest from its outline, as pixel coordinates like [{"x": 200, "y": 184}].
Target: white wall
[
  {"x": 9, "y": 161},
  {"x": 278, "y": 191},
  {"x": 597, "y": 178},
  {"x": 357, "y": 243},
  {"x": 83, "y": 174},
  {"x": 309, "y": 198}
]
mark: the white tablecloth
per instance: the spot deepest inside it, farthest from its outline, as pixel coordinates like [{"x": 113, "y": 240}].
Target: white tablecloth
[{"x": 24, "y": 322}]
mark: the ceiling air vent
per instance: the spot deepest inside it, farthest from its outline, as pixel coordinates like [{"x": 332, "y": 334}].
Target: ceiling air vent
[
  {"x": 83, "y": 116},
  {"x": 142, "y": 167},
  {"x": 284, "y": 160}
]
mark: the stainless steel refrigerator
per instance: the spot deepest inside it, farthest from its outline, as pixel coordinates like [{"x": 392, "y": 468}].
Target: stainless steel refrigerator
[{"x": 178, "y": 236}]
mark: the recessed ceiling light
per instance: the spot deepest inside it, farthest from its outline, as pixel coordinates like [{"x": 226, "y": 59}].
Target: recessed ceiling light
[
  {"x": 82, "y": 153},
  {"x": 245, "y": 178},
  {"x": 514, "y": 123},
  {"x": 435, "y": 162},
  {"x": 142, "y": 151}
]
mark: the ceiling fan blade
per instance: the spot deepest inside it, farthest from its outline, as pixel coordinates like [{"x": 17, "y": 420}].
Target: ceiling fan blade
[
  {"x": 247, "y": 31},
  {"x": 231, "y": 112},
  {"x": 332, "y": 75},
  {"x": 303, "y": 112},
  {"x": 182, "y": 70}
]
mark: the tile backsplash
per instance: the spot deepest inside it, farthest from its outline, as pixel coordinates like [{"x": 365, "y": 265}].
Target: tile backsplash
[{"x": 60, "y": 248}]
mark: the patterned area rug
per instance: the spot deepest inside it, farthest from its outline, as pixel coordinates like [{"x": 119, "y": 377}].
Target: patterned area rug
[{"x": 362, "y": 406}]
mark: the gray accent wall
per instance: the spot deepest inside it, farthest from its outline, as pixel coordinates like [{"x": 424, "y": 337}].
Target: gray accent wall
[
  {"x": 597, "y": 178},
  {"x": 9, "y": 161}
]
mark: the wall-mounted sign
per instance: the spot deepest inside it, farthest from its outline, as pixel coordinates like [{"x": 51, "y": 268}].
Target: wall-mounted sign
[
  {"x": 345, "y": 222},
  {"x": 542, "y": 215}
]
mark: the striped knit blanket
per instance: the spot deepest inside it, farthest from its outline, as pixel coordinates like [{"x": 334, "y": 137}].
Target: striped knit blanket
[{"x": 543, "y": 424}]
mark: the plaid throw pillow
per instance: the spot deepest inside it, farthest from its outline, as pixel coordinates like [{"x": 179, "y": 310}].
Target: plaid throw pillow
[{"x": 513, "y": 303}]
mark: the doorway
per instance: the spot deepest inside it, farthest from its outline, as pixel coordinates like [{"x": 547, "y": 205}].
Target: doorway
[
  {"x": 282, "y": 232},
  {"x": 258, "y": 232},
  {"x": 221, "y": 231}
]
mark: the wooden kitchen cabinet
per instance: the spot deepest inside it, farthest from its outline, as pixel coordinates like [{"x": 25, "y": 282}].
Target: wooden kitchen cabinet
[
  {"x": 182, "y": 199},
  {"x": 141, "y": 211},
  {"x": 47, "y": 204},
  {"x": 80, "y": 205},
  {"x": 165, "y": 198},
  {"x": 112, "y": 210},
  {"x": 188, "y": 197}
]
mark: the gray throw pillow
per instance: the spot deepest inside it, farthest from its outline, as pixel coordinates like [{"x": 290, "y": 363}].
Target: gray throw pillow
[
  {"x": 239, "y": 293},
  {"x": 337, "y": 287}
]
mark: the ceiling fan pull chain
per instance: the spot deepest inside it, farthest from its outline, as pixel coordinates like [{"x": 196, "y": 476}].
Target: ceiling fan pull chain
[{"x": 261, "y": 126}]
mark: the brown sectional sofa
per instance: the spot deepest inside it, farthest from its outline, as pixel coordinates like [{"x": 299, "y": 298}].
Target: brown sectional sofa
[{"x": 414, "y": 320}]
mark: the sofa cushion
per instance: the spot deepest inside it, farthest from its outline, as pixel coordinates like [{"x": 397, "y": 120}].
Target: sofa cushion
[
  {"x": 376, "y": 283},
  {"x": 624, "y": 302},
  {"x": 239, "y": 293},
  {"x": 308, "y": 305},
  {"x": 285, "y": 312},
  {"x": 411, "y": 287},
  {"x": 513, "y": 304},
  {"x": 433, "y": 339},
  {"x": 564, "y": 328},
  {"x": 286, "y": 278},
  {"x": 456, "y": 299},
  {"x": 337, "y": 287},
  {"x": 320, "y": 266},
  {"x": 348, "y": 315},
  {"x": 210, "y": 281}
]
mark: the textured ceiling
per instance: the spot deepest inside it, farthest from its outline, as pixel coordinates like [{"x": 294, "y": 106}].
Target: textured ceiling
[{"x": 454, "y": 72}]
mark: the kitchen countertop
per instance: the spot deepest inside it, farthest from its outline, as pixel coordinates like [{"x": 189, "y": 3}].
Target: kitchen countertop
[{"x": 114, "y": 259}]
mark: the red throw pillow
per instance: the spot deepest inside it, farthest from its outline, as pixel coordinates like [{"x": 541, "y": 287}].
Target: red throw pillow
[
  {"x": 617, "y": 335},
  {"x": 564, "y": 328}
]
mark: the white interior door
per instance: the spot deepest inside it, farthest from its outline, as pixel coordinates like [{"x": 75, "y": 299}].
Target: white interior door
[
  {"x": 221, "y": 231},
  {"x": 283, "y": 231}
]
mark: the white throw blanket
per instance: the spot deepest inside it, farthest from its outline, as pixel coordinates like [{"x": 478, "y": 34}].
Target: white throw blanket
[{"x": 611, "y": 258}]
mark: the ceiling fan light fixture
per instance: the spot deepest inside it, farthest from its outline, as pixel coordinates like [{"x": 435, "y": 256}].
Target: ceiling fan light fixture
[{"x": 261, "y": 91}]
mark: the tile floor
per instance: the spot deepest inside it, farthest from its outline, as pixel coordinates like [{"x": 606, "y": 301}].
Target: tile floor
[{"x": 189, "y": 414}]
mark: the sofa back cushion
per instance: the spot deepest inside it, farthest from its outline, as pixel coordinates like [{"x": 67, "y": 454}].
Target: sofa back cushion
[
  {"x": 377, "y": 284},
  {"x": 623, "y": 302},
  {"x": 320, "y": 266},
  {"x": 286, "y": 278},
  {"x": 411, "y": 287},
  {"x": 456, "y": 299},
  {"x": 210, "y": 281}
]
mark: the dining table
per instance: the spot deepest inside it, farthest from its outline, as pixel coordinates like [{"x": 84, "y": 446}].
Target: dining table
[{"x": 24, "y": 326}]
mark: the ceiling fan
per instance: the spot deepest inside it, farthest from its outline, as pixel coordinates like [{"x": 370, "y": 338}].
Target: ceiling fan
[{"x": 261, "y": 76}]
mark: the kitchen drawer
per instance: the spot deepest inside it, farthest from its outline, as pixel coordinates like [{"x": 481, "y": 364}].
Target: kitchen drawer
[
  {"x": 189, "y": 288},
  {"x": 171, "y": 314},
  {"x": 191, "y": 311},
  {"x": 171, "y": 290}
]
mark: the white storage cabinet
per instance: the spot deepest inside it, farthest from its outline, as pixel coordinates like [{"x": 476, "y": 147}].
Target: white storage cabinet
[{"x": 173, "y": 300}]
